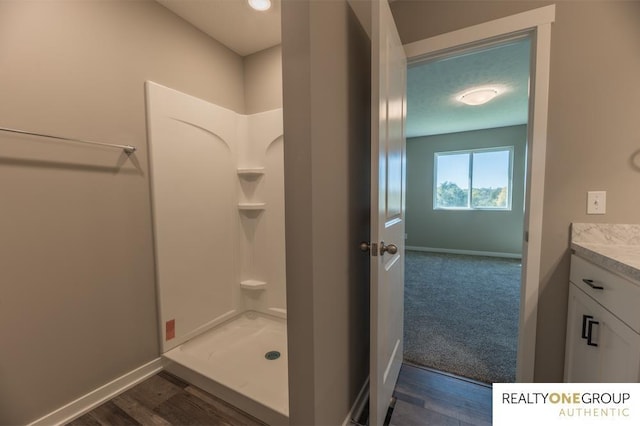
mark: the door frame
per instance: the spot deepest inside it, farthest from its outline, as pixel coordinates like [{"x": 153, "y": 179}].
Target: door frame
[{"x": 535, "y": 23}]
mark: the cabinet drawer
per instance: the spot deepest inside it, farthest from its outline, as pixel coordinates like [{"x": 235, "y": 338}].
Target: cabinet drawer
[{"x": 619, "y": 295}]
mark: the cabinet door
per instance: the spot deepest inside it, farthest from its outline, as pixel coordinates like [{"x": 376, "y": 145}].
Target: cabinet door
[
  {"x": 580, "y": 359},
  {"x": 615, "y": 359},
  {"x": 619, "y": 348}
]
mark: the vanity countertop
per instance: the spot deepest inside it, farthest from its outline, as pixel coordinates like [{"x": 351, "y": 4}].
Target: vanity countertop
[{"x": 611, "y": 246}]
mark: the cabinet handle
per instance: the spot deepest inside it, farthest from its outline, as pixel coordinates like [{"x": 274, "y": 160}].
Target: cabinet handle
[
  {"x": 592, "y": 285},
  {"x": 584, "y": 325},
  {"x": 590, "y": 333}
]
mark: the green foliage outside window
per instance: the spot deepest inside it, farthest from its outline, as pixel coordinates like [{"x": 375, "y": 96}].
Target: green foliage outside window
[{"x": 451, "y": 195}]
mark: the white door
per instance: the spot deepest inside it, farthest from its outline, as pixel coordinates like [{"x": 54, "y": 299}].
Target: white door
[{"x": 388, "y": 76}]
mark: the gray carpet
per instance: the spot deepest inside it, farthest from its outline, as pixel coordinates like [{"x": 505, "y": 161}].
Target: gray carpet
[{"x": 461, "y": 314}]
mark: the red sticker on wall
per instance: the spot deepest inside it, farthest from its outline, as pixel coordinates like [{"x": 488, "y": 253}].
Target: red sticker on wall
[{"x": 170, "y": 329}]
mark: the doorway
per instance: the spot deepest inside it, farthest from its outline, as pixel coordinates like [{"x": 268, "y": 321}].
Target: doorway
[
  {"x": 465, "y": 209},
  {"x": 537, "y": 24}
]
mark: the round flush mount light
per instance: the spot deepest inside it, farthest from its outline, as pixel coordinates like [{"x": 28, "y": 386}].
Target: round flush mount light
[
  {"x": 260, "y": 5},
  {"x": 478, "y": 96}
]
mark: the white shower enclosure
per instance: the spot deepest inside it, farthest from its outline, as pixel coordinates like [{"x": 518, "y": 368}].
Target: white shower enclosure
[{"x": 217, "y": 184}]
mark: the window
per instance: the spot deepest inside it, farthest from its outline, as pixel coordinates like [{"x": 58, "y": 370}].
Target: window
[{"x": 486, "y": 171}]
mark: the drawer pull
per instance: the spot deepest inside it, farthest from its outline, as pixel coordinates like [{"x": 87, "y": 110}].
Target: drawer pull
[
  {"x": 592, "y": 285},
  {"x": 590, "y": 333},
  {"x": 585, "y": 318}
]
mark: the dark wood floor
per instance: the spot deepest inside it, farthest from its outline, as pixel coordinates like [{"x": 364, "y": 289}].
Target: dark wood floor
[
  {"x": 423, "y": 397},
  {"x": 164, "y": 399},
  {"x": 429, "y": 397}
]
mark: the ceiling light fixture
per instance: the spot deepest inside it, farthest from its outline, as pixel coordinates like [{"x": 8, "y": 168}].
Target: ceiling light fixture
[
  {"x": 260, "y": 5},
  {"x": 478, "y": 96}
]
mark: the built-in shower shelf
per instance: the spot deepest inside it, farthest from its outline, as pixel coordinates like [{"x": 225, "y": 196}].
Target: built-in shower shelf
[
  {"x": 252, "y": 206},
  {"x": 253, "y": 285},
  {"x": 250, "y": 172}
]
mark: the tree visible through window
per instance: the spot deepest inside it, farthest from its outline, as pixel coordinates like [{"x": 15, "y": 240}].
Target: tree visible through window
[{"x": 486, "y": 171}]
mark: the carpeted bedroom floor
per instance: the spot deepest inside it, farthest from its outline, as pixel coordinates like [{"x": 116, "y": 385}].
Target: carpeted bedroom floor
[{"x": 461, "y": 314}]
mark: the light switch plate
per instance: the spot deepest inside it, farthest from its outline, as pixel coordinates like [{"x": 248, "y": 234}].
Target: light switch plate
[{"x": 596, "y": 202}]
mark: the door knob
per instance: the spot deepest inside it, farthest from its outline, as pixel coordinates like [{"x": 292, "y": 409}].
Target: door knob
[
  {"x": 390, "y": 248},
  {"x": 365, "y": 246}
]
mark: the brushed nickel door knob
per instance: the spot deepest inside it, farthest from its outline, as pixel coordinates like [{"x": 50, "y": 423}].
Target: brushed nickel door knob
[{"x": 390, "y": 248}]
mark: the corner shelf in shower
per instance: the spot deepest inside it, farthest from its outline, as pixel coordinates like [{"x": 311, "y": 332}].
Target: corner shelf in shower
[
  {"x": 253, "y": 285},
  {"x": 250, "y": 172},
  {"x": 252, "y": 206}
]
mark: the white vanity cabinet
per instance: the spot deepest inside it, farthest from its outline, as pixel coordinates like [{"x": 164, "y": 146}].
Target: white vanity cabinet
[{"x": 603, "y": 326}]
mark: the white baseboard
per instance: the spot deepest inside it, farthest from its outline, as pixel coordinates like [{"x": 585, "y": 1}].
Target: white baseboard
[
  {"x": 358, "y": 405},
  {"x": 87, "y": 402},
  {"x": 467, "y": 252}
]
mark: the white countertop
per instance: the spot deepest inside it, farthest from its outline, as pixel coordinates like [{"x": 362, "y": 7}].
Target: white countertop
[
  {"x": 613, "y": 247},
  {"x": 623, "y": 259}
]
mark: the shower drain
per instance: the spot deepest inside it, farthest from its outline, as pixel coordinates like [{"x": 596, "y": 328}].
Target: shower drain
[{"x": 271, "y": 355}]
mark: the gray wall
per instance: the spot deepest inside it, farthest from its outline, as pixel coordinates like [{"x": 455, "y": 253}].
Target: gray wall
[
  {"x": 326, "y": 65},
  {"x": 263, "y": 80},
  {"x": 77, "y": 296},
  {"x": 592, "y": 141},
  {"x": 474, "y": 230}
]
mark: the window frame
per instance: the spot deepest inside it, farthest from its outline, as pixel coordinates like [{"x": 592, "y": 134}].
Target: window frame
[{"x": 471, "y": 152}]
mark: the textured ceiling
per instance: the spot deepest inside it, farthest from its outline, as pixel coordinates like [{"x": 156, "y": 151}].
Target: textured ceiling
[
  {"x": 432, "y": 86},
  {"x": 231, "y": 22}
]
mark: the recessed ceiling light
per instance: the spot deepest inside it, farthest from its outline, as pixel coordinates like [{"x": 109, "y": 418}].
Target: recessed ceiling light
[
  {"x": 260, "y": 5},
  {"x": 478, "y": 96}
]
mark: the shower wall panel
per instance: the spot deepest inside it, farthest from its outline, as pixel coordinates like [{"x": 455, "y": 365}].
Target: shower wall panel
[
  {"x": 193, "y": 146},
  {"x": 266, "y": 249}
]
